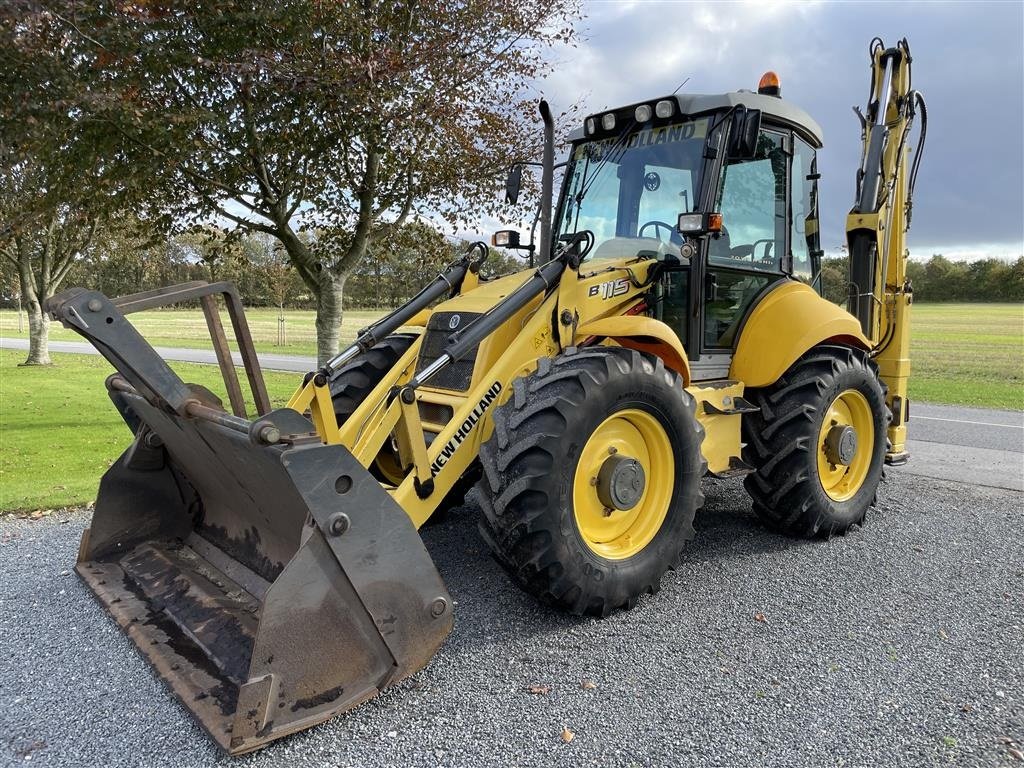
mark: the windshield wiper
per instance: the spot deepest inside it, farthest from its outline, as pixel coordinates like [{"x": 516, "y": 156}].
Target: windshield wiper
[{"x": 604, "y": 160}]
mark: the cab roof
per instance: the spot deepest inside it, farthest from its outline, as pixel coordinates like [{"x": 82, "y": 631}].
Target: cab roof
[{"x": 773, "y": 108}]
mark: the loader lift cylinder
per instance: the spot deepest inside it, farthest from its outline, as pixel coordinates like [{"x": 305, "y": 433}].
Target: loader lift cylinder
[
  {"x": 463, "y": 341},
  {"x": 445, "y": 283}
]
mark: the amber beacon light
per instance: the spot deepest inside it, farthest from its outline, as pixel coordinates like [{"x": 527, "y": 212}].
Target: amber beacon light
[{"x": 769, "y": 84}]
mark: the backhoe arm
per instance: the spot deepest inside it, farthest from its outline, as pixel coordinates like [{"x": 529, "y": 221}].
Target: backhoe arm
[{"x": 880, "y": 294}]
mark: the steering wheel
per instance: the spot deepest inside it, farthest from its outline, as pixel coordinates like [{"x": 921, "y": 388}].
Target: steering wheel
[{"x": 673, "y": 236}]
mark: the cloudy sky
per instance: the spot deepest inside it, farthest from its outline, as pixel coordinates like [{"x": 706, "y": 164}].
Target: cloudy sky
[{"x": 968, "y": 63}]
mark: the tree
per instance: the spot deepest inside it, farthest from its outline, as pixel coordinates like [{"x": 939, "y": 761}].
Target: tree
[
  {"x": 40, "y": 240},
  {"x": 296, "y": 116}
]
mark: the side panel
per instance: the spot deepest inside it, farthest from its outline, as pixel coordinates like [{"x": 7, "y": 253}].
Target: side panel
[{"x": 787, "y": 322}]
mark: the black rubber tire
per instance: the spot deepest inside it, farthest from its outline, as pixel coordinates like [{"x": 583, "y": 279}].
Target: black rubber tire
[
  {"x": 530, "y": 461},
  {"x": 360, "y": 375},
  {"x": 781, "y": 443}
]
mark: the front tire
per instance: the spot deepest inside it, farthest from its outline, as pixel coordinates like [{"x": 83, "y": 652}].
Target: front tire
[
  {"x": 357, "y": 379},
  {"x": 592, "y": 479},
  {"x": 817, "y": 444}
]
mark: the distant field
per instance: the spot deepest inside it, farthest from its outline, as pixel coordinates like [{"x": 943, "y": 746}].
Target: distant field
[
  {"x": 963, "y": 354},
  {"x": 59, "y": 431},
  {"x": 187, "y": 328},
  {"x": 968, "y": 354}
]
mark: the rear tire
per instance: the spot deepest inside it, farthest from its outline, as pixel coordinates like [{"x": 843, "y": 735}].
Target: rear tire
[
  {"x": 801, "y": 486},
  {"x": 553, "y": 439}
]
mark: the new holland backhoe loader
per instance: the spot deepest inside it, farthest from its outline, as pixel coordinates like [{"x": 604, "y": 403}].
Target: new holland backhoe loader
[{"x": 269, "y": 567}]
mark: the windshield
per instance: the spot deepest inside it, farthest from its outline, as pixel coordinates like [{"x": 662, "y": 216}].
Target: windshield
[{"x": 630, "y": 193}]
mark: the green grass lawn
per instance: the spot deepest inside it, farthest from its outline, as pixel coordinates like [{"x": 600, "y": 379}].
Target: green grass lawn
[
  {"x": 968, "y": 354},
  {"x": 59, "y": 432}
]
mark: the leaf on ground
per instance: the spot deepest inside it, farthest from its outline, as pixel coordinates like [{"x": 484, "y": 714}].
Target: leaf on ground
[
  {"x": 758, "y": 616},
  {"x": 538, "y": 690},
  {"x": 1016, "y": 754},
  {"x": 567, "y": 735},
  {"x": 1006, "y": 740},
  {"x": 588, "y": 685}
]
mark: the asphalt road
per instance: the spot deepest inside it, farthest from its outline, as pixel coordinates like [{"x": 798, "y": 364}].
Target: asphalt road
[
  {"x": 896, "y": 645},
  {"x": 270, "y": 362}
]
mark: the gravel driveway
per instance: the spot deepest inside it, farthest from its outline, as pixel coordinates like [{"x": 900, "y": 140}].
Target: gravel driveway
[{"x": 901, "y": 644}]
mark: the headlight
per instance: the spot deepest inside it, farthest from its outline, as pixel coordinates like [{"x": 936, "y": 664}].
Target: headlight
[
  {"x": 665, "y": 108},
  {"x": 642, "y": 113},
  {"x": 591, "y": 126},
  {"x": 608, "y": 121}
]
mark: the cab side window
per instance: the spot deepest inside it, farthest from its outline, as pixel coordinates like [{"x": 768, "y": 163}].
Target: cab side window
[
  {"x": 804, "y": 236},
  {"x": 752, "y": 200}
]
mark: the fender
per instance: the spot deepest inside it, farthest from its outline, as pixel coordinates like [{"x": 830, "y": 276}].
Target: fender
[
  {"x": 644, "y": 334},
  {"x": 785, "y": 323}
]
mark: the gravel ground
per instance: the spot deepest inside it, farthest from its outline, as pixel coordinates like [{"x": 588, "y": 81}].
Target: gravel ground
[{"x": 901, "y": 644}]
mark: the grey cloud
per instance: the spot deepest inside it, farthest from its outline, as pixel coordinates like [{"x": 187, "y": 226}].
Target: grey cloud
[{"x": 968, "y": 62}]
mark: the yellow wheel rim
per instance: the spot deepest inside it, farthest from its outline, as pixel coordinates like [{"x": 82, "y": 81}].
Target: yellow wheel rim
[
  {"x": 843, "y": 475},
  {"x": 617, "y": 534},
  {"x": 387, "y": 464}
]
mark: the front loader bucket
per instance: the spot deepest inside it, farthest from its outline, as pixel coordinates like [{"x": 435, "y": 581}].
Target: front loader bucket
[{"x": 271, "y": 586}]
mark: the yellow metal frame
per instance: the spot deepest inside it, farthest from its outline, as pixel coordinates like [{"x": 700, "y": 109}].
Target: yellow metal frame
[{"x": 601, "y": 306}]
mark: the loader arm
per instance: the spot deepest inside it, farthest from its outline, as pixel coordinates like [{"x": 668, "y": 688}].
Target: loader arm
[{"x": 880, "y": 293}]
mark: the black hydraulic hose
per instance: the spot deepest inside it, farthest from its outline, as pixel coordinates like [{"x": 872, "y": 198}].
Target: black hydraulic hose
[
  {"x": 442, "y": 285},
  {"x": 446, "y": 282},
  {"x": 917, "y": 156}
]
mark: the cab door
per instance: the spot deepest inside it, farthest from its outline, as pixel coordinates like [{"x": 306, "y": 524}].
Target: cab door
[{"x": 749, "y": 254}]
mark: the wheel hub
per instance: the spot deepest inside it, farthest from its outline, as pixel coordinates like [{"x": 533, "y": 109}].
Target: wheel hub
[
  {"x": 620, "y": 483},
  {"x": 841, "y": 444}
]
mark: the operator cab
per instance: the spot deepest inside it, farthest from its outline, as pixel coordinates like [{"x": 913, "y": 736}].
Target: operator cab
[{"x": 749, "y": 157}]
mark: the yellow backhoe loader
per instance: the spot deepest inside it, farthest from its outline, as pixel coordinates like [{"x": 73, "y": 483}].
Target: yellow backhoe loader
[{"x": 670, "y": 328}]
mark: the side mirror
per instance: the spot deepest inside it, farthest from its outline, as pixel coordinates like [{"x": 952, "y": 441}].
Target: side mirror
[
  {"x": 746, "y": 127},
  {"x": 513, "y": 183},
  {"x": 509, "y": 238}
]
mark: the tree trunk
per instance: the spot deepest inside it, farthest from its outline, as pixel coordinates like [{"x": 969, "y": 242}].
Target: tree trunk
[
  {"x": 38, "y": 321},
  {"x": 328, "y": 315},
  {"x": 38, "y": 334}
]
